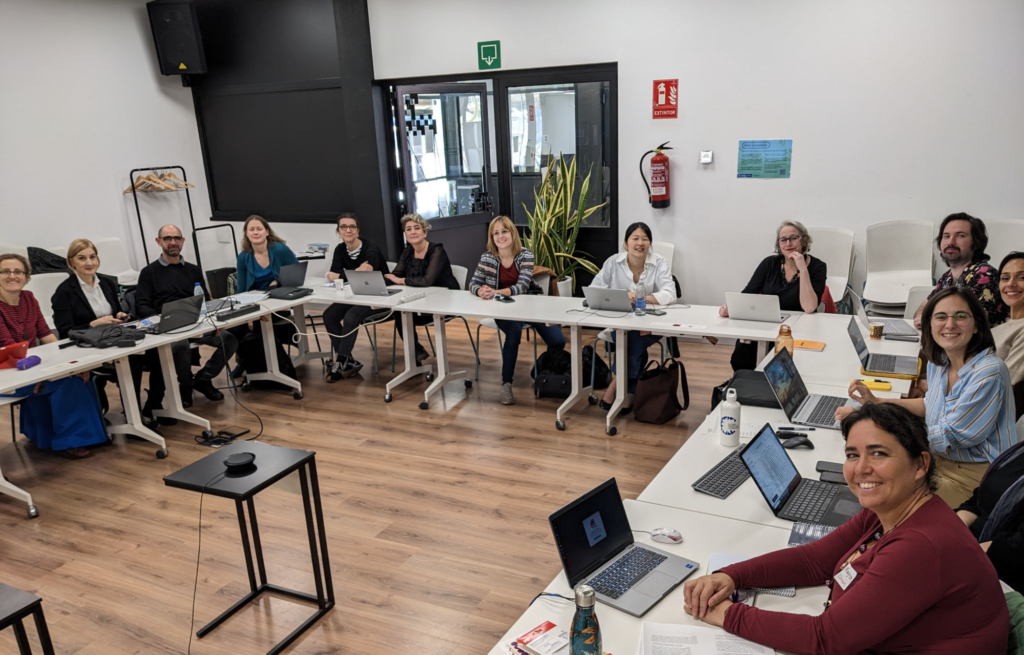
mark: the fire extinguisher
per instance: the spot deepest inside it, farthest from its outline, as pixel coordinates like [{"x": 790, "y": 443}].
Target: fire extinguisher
[{"x": 659, "y": 195}]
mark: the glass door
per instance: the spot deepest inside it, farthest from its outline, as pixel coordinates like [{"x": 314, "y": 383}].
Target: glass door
[{"x": 444, "y": 150}]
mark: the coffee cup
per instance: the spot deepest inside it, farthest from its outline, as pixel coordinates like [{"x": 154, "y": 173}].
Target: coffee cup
[{"x": 875, "y": 330}]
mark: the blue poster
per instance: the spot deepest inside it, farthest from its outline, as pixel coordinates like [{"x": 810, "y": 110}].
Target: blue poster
[{"x": 766, "y": 158}]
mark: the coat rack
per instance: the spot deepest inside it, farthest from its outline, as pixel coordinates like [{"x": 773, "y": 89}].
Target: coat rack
[{"x": 164, "y": 182}]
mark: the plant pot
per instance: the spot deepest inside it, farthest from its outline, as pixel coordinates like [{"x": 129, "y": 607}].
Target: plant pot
[{"x": 565, "y": 287}]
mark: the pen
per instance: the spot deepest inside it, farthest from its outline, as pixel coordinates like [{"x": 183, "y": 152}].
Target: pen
[{"x": 790, "y": 427}]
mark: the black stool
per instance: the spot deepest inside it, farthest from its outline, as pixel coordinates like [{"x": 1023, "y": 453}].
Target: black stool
[{"x": 15, "y": 605}]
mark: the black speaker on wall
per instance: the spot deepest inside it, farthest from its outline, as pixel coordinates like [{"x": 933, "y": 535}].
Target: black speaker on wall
[{"x": 179, "y": 48}]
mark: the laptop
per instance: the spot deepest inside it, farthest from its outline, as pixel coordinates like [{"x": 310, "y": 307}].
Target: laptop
[
  {"x": 369, "y": 283},
  {"x": 801, "y": 408},
  {"x": 596, "y": 546},
  {"x": 878, "y": 364},
  {"x": 176, "y": 315},
  {"x": 754, "y": 307},
  {"x": 612, "y": 300},
  {"x": 289, "y": 282},
  {"x": 892, "y": 325},
  {"x": 790, "y": 496}
]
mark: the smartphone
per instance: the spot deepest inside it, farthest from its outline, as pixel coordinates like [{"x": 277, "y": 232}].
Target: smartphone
[
  {"x": 500, "y": 297},
  {"x": 656, "y": 312},
  {"x": 902, "y": 337},
  {"x": 830, "y": 467},
  {"x": 834, "y": 478}
]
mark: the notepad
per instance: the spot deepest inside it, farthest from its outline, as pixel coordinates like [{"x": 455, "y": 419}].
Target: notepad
[
  {"x": 719, "y": 561},
  {"x": 804, "y": 344}
]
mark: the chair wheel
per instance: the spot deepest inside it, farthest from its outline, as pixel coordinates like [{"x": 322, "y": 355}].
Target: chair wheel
[
  {"x": 610, "y": 430},
  {"x": 161, "y": 454},
  {"x": 387, "y": 397},
  {"x": 429, "y": 377},
  {"x": 592, "y": 399},
  {"x": 424, "y": 405},
  {"x": 560, "y": 424},
  {"x": 32, "y": 512},
  {"x": 246, "y": 386},
  {"x": 297, "y": 395},
  {"x": 469, "y": 384}
]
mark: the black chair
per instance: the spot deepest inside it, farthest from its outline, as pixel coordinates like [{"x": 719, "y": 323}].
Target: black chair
[{"x": 16, "y": 605}]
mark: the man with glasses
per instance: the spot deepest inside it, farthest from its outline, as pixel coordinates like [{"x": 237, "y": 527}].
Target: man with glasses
[
  {"x": 353, "y": 254},
  {"x": 167, "y": 279}
]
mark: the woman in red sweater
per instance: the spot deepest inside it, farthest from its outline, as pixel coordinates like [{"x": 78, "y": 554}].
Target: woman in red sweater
[{"x": 906, "y": 575}]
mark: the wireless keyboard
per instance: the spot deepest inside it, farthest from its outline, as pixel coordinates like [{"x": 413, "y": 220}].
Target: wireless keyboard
[{"x": 724, "y": 477}]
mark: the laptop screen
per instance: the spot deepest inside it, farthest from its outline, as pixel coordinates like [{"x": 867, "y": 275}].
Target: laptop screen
[
  {"x": 590, "y": 530},
  {"x": 785, "y": 380},
  {"x": 771, "y": 467},
  {"x": 292, "y": 275},
  {"x": 858, "y": 342}
]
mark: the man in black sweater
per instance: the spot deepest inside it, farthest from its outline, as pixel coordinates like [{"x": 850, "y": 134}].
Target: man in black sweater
[
  {"x": 167, "y": 279},
  {"x": 352, "y": 254}
]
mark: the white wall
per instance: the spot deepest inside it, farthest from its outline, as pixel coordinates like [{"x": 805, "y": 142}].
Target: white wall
[
  {"x": 82, "y": 102},
  {"x": 898, "y": 110}
]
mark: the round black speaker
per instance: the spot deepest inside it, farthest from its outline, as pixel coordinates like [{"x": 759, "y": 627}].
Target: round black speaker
[{"x": 239, "y": 461}]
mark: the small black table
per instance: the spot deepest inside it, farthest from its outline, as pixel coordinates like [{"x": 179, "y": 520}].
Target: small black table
[
  {"x": 16, "y": 605},
  {"x": 209, "y": 476}
]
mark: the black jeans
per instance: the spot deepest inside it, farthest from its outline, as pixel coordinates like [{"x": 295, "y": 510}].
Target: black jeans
[
  {"x": 135, "y": 364},
  {"x": 224, "y": 346},
  {"x": 342, "y": 319}
]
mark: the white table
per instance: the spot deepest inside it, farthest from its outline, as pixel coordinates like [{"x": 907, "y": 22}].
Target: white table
[{"x": 702, "y": 536}]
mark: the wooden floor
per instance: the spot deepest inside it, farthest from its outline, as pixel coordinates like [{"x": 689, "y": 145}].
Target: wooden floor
[{"x": 436, "y": 520}]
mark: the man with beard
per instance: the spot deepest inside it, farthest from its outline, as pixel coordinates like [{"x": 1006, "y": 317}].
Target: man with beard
[
  {"x": 167, "y": 279},
  {"x": 962, "y": 241}
]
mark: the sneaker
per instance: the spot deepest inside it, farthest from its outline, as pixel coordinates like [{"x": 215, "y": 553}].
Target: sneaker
[
  {"x": 506, "y": 394},
  {"x": 334, "y": 374},
  {"x": 206, "y": 388},
  {"x": 147, "y": 413},
  {"x": 186, "y": 395},
  {"x": 238, "y": 371},
  {"x": 350, "y": 368},
  {"x": 421, "y": 354}
]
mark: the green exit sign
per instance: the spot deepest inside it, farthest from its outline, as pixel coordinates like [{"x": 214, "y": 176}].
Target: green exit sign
[{"x": 489, "y": 54}]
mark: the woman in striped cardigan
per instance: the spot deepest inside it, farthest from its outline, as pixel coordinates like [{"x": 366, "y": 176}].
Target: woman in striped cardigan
[{"x": 506, "y": 268}]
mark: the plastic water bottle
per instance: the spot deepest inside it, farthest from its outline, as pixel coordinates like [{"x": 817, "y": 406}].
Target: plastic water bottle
[
  {"x": 729, "y": 420},
  {"x": 198, "y": 291},
  {"x": 585, "y": 634},
  {"x": 640, "y": 304}
]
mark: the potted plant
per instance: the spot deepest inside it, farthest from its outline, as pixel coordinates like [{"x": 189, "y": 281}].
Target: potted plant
[{"x": 554, "y": 224}]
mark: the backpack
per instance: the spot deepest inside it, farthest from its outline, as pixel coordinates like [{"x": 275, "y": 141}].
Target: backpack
[
  {"x": 553, "y": 375},
  {"x": 602, "y": 374}
]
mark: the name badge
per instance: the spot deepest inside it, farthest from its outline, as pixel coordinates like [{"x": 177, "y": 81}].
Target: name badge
[{"x": 845, "y": 576}]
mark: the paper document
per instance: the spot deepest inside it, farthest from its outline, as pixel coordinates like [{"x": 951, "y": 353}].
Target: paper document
[
  {"x": 674, "y": 639},
  {"x": 250, "y": 296}
]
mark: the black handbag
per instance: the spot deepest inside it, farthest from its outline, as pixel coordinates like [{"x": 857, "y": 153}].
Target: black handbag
[
  {"x": 553, "y": 378},
  {"x": 657, "y": 392}
]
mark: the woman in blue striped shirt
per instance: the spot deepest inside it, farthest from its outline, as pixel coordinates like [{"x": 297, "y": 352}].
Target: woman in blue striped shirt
[{"x": 969, "y": 406}]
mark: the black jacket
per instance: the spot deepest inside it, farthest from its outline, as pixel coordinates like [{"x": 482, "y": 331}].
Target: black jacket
[{"x": 71, "y": 309}]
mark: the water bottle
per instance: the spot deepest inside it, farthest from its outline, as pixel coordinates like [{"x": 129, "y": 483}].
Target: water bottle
[
  {"x": 784, "y": 340},
  {"x": 585, "y": 634},
  {"x": 640, "y": 304},
  {"x": 729, "y": 420},
  {"x": 198, "y": 291}
]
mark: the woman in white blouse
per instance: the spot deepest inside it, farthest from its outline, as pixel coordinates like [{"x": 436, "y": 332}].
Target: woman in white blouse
[{"x": 624, "y": 271}]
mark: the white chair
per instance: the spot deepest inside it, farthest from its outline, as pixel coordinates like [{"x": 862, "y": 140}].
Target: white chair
[
  {"x": 898, "y": 257},
  {"x": 114, "y": 261},
  {"x": 834, "y": 246},
  {"x": 43, "y": 286},
  {"x": 1003, "y": 238},
  {"x": 917, "y": 296},
  {"x": 666, "y": 250},
  {"x": 9, "y": 249}
]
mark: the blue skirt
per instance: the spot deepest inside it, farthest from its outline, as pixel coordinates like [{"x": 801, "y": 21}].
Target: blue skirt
[{"x": 65, "y": 414}]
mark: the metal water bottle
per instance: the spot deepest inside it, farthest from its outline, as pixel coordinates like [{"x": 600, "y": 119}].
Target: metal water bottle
[
  {"x": 729, "y": 420},
  {"x": 640, "y": 304},
  {"x": 198, "y": 291},
  {"x": 585, "y": 634}
]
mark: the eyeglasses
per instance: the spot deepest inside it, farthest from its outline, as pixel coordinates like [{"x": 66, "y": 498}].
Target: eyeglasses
[
  {"x": 172, "y": 239},
  {"x": 959, "y": 317},
  {"x": 348, "y": 227},
  {"x": 789, "y": 239},
  {"x": 12, "y": 273}
]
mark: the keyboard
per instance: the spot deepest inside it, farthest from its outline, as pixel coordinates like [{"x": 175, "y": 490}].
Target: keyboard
[
  {"x": 724, "y": 477},
  {"x": 896, "y": 326},
  {"x": 810, "y": 501},
  {"x": 824, "y": 414},
  {"x": 629, "y": 569},
  {"x": 883, "y": 363}
]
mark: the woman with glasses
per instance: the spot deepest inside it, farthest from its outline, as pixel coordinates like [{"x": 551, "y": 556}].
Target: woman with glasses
[
  {"x": 797, "y": 278},
  {"x": 969, "y": 405},
  {"x": 61, "y": 415},
  {"x": 904, "y": 575},
  {"x": 342, "y": 321}
]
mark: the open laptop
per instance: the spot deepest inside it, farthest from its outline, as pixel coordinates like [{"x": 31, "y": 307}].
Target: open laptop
[
  {"x": 289, "y": 282},
  {"x": 790, "y": 496},
  {"x": 801, "y": 407},
  {"x": 878, "y": 364},
  {"x": 612, "y": 300},
  {"x": 175, "y": 315},
  {"x": 892, "y": 325},
  {"x": 754, "y": 307},
  {"x": 596, "y": 546},
  {"x": 369, "y": 283}
]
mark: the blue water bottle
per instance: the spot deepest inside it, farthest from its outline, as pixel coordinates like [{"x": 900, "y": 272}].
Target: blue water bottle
[
  {"x": 640, "y": 303},
  {"x": 198, "y": 291},
  {"x": 585, "y": 634}
]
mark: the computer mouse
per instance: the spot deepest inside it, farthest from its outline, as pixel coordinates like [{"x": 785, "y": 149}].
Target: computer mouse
[
  {"x": 666, "y": 536},
  {"x": 798, "y": 442}
]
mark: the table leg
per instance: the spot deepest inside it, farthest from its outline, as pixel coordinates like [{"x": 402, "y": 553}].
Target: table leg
[
  {"x": 254, "y": 591},
  {"x": 132, "y": 413},
  {"x": 443, "y": 374},
  {"x": 412, "y": 369},
  {"x": 256, "y": 543},
  {"x": 322, "y": 530},
  {"x": 578, "y": 390},
  {"x": 273, "y": 372},
  {"x": 42, "y": 630},
  {"x": 762, "y": 350},
  {"x": 17, "y": 492},
  {"x": 176, "y": 410},
  {"x": 313, "y": 553},
  {"x": 22, "y": 637},
  {"x": 621, "y": 378},
  {"x": 245, "y": 545}
]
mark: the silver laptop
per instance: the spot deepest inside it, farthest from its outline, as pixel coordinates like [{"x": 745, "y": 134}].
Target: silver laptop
[
  {"x": 801, "y": 408},
  {"x": 596, "y": 546},
  {"x": 369, "y": 283},
  {"x": 754, "y": 307},
  {"x": 612, "y": 300},
  {"x": 876, "y": 362},
  {"x": 892, "y": 325}
]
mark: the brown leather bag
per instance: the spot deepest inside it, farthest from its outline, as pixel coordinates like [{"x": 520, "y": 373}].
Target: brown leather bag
[{"x": 657, "y": 392}]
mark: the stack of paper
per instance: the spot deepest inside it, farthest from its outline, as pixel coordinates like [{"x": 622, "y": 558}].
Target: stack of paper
[{"x": 672, "y": 639}]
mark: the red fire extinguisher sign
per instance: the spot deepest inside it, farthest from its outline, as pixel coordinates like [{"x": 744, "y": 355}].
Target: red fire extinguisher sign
[{"x": 666, "y": 99}]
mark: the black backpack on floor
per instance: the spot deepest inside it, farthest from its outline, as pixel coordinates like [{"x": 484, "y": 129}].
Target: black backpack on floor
[{"x": 553, "y": 374}]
